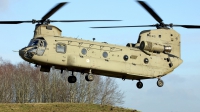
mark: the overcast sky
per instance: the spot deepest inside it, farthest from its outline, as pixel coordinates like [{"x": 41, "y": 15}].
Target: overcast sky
[{"x": 181, "y": 90}]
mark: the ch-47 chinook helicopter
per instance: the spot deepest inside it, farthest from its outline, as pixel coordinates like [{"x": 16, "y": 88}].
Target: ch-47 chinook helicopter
[{"x": 156, "y": 53}]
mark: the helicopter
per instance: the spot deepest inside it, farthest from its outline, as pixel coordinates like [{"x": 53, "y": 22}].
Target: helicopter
[{"x": 156, "y": 53}]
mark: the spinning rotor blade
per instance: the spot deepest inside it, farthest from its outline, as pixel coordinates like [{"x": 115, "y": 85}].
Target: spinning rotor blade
[
  {"x": 80, "y": 20},
  {"x": 52, "y": 11},
  {"x": 171, "y": 25},
  {"x": 14, "y": 22},
  {"x": 155, "y": 16},
  {"x": 45, "y": 19},
  {"x": 151, "y": 11},
  {"x": 67, "y": 21},
  {"x": 124, "y": 26},
  {"x": 188, "y": 26}
]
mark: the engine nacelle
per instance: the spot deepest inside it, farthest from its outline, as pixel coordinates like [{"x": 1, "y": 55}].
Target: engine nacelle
[{"x": 154, "y": 47}]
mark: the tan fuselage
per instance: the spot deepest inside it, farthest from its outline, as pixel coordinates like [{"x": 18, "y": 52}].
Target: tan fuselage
[{"x": 120, "y": 61}]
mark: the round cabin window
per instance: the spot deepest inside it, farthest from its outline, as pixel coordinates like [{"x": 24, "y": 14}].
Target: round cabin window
[
  {"x": 105, "y": 54},
  {"x": 84, "y": 51},
  {"x": 125, "y": 57},
  {"x": 146, "y": 60}
]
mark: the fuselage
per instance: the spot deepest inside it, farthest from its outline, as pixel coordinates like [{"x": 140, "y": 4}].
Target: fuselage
[{"x": 102, "y": 58}]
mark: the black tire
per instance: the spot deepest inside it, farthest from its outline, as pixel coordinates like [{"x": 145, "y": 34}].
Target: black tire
[
  {"x": 139, "y": 85},
  {"x": 72, "y": 79},
  {"x": 89, "y": 77},
  {"x": 160, "y": 83}
]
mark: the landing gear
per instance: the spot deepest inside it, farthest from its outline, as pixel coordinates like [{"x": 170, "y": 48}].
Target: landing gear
[
  {"x": 72, "y": 79},
  {"x": 139, "y": 84},
  {"x": 89, "y": 77},
  {"x": 160, "y": 83}
]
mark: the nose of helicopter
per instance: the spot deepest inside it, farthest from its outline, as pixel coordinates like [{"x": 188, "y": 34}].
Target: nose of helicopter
[
  {"x": 27, "y": 53},
  {"x": 22, "y": 53}
]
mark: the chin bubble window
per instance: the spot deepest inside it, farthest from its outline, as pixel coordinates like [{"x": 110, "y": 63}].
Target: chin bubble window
[{"x": 60, "y": 48}]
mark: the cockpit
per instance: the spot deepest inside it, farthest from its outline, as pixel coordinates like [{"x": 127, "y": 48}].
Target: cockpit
[
  {"x": 40, "y": 42},
  {"x": 35, "y": 47}
]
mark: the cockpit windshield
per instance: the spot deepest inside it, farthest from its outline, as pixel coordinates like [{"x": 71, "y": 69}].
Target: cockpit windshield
[{"x": 38, "y": 42}]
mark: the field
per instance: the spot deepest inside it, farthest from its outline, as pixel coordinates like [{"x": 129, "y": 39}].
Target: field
[{"x": 59, "y": 107}]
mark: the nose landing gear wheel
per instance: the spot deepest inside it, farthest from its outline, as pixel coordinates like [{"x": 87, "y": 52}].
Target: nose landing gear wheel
[
  {"x": 71, "y": 79},
  {"x": 139, "y": 85},
  {"x": 89, "y": 77},
  {"x": 160, "y": 83}
]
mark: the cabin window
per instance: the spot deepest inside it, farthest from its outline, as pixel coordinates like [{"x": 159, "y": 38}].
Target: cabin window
[
  {"x": 125, "y": 57},
  {"x": 146, "y": 60},
  {"x": 105, "y": 54},
  {"x": 84, "y": 51},
  {"x": 60, "y": 48}
]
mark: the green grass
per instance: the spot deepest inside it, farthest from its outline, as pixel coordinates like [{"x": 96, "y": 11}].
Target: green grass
[{"x": 59, "y": 107}]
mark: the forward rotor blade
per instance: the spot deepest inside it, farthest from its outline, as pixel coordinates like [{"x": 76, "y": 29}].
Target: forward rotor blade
[
  {"x": 52, "y": 11},
  {"x": 151, "y": 11},
  {"x": 188, "y": 26},
  {"x": 19, "y": 22},
  {"x": 14, "y": 22},
  {"x": 80, "y": 20},
  {"x": 124, "y": 26}
]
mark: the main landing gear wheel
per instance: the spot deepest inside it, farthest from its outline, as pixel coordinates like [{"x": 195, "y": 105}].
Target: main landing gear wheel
[
  {"x": 72, "y": 79},
  {"x": 89, "y": 77},
  {"x": 139, "y": 85},
  {"x": 160, "y": 83}
]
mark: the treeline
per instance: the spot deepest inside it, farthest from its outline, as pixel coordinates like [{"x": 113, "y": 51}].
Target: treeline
[{"x": 23, "y": 83}]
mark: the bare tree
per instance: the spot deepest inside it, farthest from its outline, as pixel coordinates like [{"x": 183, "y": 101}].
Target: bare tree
[
  {"x": 24, "y": 83},
  {"x": 6, "y": 78},
  {"x": 109, "y": 92}
]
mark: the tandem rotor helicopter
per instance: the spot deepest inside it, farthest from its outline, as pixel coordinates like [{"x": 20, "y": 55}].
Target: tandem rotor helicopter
[{"x": 156, "y": 53}]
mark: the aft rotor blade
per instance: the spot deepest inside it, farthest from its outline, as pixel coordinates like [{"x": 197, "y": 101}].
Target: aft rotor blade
[
  {"x": 80, "y": 20},
  {"x": 124, "y": 26},
  {"x": 52, "y": 11},
  {"x": 151, "y": 11},
  {"x": 188, "y": 26},
  {"x": 14, "y": 22}
]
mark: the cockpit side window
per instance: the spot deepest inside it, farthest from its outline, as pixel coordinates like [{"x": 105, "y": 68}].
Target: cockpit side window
[
  {"x": 60, "y": 48},
  {"x": 33, "y": 43},
  {"x": 42, "y": 43},
  {"x": 38, "y": 42}
]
